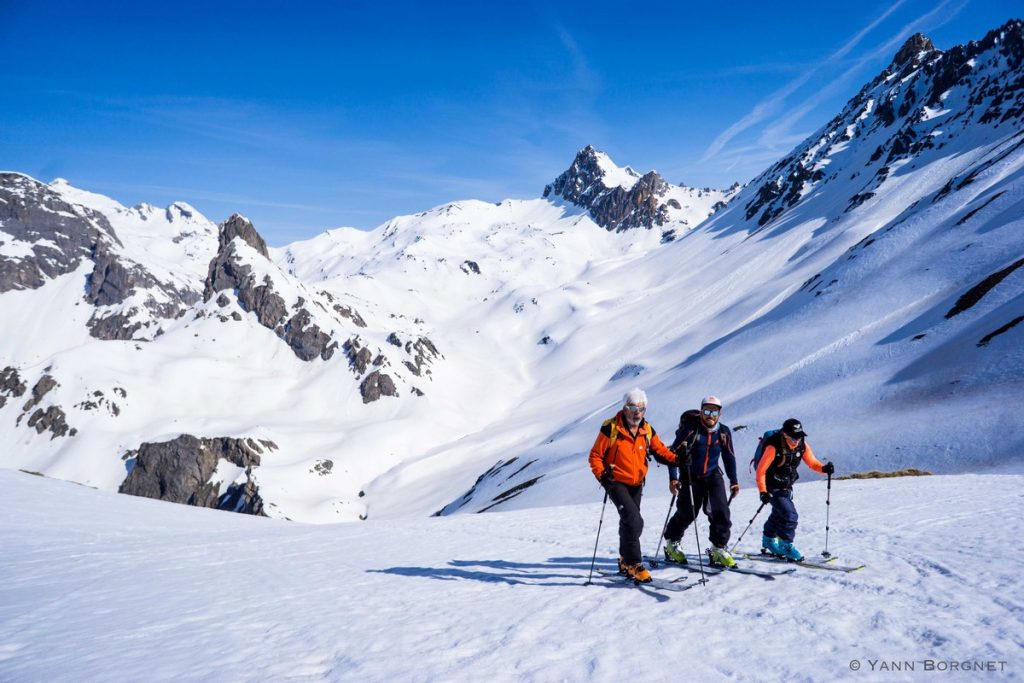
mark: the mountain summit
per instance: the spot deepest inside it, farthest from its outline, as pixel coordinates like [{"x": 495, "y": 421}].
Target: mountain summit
[{"x": 621, "y": 199}]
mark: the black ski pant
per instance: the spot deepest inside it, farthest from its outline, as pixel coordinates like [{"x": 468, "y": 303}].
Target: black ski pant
[
  {"x": 627, "y": 501},
  {"x": 782, "y": 522},
  {"x": 708, "y": 493}
]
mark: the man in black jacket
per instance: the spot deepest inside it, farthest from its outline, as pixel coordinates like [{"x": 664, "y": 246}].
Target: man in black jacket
[{"x": 700, "y": 442}]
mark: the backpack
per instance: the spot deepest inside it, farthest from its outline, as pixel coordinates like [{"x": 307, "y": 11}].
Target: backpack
[
  {"x": 762, "y": 441},
  {"x": 613, "y": 434}
]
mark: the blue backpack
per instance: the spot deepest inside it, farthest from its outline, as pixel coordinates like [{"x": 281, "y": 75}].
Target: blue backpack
[{"x": 762, "y": 441}]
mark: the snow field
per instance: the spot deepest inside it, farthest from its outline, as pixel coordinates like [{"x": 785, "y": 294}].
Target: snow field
[{"x": 107, "y": 587}]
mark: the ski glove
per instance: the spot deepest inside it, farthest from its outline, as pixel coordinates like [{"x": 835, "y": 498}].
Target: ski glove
[
  {"x": 829, "y": 468},
  {"x": 765, "y": 497}
]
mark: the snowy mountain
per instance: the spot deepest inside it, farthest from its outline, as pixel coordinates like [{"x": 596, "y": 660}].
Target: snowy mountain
[
  {"x": 622, "y": 199},
  {"x": 462, "y": 359}
]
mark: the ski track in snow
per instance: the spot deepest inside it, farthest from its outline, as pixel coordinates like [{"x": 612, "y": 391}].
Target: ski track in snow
[{"x": 114, "y": 588}]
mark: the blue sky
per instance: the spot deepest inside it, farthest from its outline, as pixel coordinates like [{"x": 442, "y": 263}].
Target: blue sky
[{"x": 306, "y": 116}]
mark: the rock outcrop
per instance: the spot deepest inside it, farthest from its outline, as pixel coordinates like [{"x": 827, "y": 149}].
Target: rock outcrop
[
  {"x": 612, "y": 207},
  {"x": 233, "y": 271},
  {"x": 182, "y": 471},
  {"x": 621, "y": 199}
]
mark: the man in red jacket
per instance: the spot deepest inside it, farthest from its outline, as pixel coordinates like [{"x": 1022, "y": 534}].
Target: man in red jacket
[{"x": 619, "y": 462}]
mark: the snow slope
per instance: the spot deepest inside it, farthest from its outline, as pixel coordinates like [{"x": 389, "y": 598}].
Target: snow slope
[{"x": 115, "y": 588}]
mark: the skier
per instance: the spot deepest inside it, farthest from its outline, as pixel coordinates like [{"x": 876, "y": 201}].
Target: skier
[
  {"x": 619, "y": 461},
  {"x": 700, "y": 442},
  {"x": 776, "y": 473}
]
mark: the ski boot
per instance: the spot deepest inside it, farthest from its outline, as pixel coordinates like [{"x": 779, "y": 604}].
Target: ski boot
[
  {"x": 790, "y": 552},
  {"x": 721, "y": 557},
  {"x": 673, "y": 553},
  {"x": 638, "y": 572},
  {"x": 622, "y": 566},
  {"x": 770, "y": 546}
]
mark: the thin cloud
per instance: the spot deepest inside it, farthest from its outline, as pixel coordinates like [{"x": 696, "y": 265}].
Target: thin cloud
[
  {"x": 782, "y": 127},
  {"x": 774, "y": 102}
]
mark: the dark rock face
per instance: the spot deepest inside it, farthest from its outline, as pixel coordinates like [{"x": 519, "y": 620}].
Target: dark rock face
[
  {"x": 228, "y": 272},
  {"x": 53, "y": 420},
  {"x": 61, "y": 235},
  {"x": 612, "y": 208},
  {"x": 10, "y": 385},
  {"x": 423, "y": 352},
  {"x": 45, "y": 384},
  {"x": 113, "y": 280},
  {"x": 180, "y": 470},
  {"x": 239, "y": 226},
  {"x": 911, "y": 49},
  {"x": 376, "y": 385}
]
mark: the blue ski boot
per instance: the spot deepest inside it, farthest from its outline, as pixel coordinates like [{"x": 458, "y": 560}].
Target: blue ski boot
[
  {"x": 770, "y": 546},
  {"x": 790, "y": 552}
]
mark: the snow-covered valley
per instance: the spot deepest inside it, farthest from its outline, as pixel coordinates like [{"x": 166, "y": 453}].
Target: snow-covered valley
[{"x": 101, "y": 587}]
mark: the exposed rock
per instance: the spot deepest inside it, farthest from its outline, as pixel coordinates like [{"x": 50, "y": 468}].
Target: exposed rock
[
  {"x": 10, "y": 385},
  {"x": 359, "y": 357},
  {"x": 913, "y": 48},
  {"x": 52, "y": 419},
  {"x": 59, "y": 236},
  {"x": 470, "y": 267},
  {"x": 229, "y": 272},
  {"x": 323, "y": 467},
  {"x": 423, "y": 352},
  {"x": 306, "y": 339},
  {"x": 239, "y": 226},
  {"x": 613, "y": 208},
  {"x": 180, "y": 471},
  {"x": 45, "y": 384},
  {"x": 376, "y": 385}
]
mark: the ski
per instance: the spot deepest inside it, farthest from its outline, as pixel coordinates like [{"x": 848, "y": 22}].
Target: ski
[
  {"x": 675, "y": 585},
  {"x": 810, "y": 564},
  {"x": 718, "y": 569}
]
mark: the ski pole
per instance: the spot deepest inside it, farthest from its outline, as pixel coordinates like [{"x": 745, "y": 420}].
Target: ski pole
[
  {"x": 828, "y": 507},
  {"x": 696, "y": 532},
  {"x": 671, "y": 504},
  {"x": 599, "y": 523},
  {"x": 748, "y": 527}
]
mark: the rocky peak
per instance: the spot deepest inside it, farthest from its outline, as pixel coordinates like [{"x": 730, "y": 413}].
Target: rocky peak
[
  {"x": 617, "y": 198},
  {"x": 924, "y": 100},
  {"x": 240, "y": 226},
  {"x": 912, "y": 49}
]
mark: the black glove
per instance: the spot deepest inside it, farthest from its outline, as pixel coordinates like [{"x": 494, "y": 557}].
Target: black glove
[
  {"x": 829, "y": 468},
  {"x": 606, "y": 477},
  {"x": 765, "y": 497}
]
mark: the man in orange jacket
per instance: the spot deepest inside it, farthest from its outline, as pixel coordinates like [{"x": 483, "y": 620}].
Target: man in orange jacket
[{"x": 619, "y": 461}]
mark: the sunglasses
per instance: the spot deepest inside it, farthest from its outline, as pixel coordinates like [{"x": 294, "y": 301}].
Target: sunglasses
[
  {"x": 636, "y": 409},
  {"x": 711, "y": 413}
]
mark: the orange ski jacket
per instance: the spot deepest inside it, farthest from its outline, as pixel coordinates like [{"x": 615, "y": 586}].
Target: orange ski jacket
[{"x": 626, "y": 459}]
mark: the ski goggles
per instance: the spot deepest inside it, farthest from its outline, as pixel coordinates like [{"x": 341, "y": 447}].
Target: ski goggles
[
  {"x": 635, "y": 409},
  {"x": 711, "y": 413}
]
